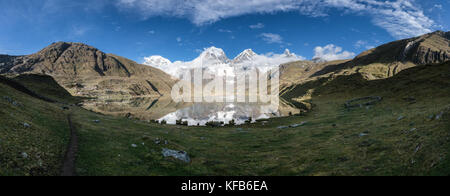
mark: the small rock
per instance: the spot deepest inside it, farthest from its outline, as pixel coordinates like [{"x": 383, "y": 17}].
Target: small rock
[
  {"x": 11, "y": 101},
  {"x": 413, "y": 129},
  {"x": 294, "y": 125},
  {"x": 297, "y": 125},
  {"x": 202, "y": 138},
  {"x": 97, "y": 121},
  {"x": 166, "y": 142},
  {"x": 439, "y": 116},
  {"x": 40, "y": 162},
  {"x": 157, "y": 141},
  {"x": 134, "y": 145},
  {"x": 417, "y": 148},
  {"x": 363, "y": 134},
  {"x": 400, "y": 118},
  {"x": 282, "y": 127},
  {"x": 180, "y": 155},
  {"x": 26, "y": 125},
  {"x": 24, "y": 155}
]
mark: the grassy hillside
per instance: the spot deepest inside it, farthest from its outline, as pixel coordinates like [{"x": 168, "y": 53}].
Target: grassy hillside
[
  {"x": 33, "y": 134},
  {"x": 407, "y": 133},
  {"x": 46, "y": 86},
  {"x": 393, "y": 137}
]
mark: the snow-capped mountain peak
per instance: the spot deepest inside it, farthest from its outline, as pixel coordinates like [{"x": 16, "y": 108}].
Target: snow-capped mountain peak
[
  {"x": 214, "y": 60},
  {"x": 288, "y": 53},
  {"x": 246, "y": 55},
  {"x": 156, "y": 61},
  {"x": 214, "y": 55}
]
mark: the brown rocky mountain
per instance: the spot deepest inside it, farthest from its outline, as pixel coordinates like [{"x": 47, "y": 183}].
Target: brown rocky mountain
[
  {"x": 86, "y": 71},
  {"x": 391, "y": 58},
  {"x": 299, "y": 79}
]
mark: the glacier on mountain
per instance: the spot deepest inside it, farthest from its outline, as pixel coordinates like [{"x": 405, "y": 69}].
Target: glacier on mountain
[{"x": 214, "y": 60}]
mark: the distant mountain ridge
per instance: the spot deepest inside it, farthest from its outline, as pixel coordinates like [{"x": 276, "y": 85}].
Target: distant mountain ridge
[{"x": 87, "y": 71}]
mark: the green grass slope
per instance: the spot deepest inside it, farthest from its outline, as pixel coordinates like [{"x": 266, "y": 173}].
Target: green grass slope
[
  {"x": 407, "y": 133},
  {"x": 46, "y": 86},
  {"x": 33, "y": 134},
  {"x": 333, "y": 141}
]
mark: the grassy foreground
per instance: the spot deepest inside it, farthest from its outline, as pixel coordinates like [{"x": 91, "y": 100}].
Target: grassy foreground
[
  {"x": 397, "y": 136},
  {"x": 33, "y": 134}
]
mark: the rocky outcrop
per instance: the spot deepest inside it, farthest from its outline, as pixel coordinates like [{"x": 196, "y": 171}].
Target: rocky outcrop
[
  {"x": 425, "y": 55},
  {"x": 428, "y": 49}
]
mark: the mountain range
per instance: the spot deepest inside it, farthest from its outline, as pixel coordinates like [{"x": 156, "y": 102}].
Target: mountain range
[
  {"x": 213, "y": 59},
  {"x": 86, "y": 71}
]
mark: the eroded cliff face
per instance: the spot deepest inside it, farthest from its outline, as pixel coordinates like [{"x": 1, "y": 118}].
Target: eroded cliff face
[{"x": 428, "y": 49}]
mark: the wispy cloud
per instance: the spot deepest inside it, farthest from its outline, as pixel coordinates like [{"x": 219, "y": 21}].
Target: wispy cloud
[
  {"x": 79, "y": 30},
  {"x": 225, "y": 31},
  {"x": 401, "y": 18},
  {"x": 331, "y": 52},
  {"x": 257, "y": 26},
  {"x": 272, "y": 38},
  {"x": 363, "y": 44}
]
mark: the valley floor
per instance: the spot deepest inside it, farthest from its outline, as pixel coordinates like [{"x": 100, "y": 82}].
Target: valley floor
[{"x": 396, "y": 136}]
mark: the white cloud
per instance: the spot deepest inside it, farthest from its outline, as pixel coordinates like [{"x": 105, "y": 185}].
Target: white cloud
[
  {"x": 370, "y": 47},
  {"x": 331, "y": 52},
  {"x": 225, "y": 31},
  {"x": 179, "y": 39},
  {"x": 360, "y": 43},
  {"x": 272, "y": 38},
  {"x": 79, "y": 30},
  {"x": 257, "y": 26},
  {"x": 363, "y": 44},
  {"x": 152, "y": 32},
  {"x": 401, "y": 18}
]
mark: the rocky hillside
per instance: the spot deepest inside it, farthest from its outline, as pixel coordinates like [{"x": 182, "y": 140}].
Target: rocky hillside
[
  {"x": 296, "y": 72},
  {"x": 86, "y": 71},
  {"x": 299, "y": 79},
  {"x": 391, "y": 58}
]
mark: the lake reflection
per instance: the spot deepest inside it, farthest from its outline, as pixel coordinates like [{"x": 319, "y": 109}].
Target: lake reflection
[{"x": 164, "y": 109}]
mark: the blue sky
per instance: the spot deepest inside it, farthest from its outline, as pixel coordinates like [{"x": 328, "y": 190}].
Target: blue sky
[{"x": 181, "y": 29}]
